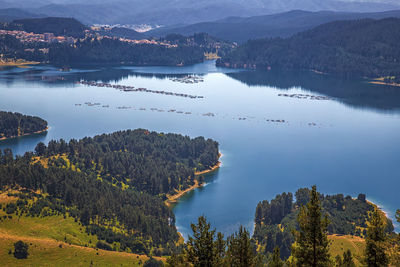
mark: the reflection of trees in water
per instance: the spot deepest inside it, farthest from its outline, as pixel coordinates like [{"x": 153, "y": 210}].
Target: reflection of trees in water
[
  {"x": 58, "y": 79},
  {"x": 355, "y": 93},
  {"x": 20, "y": 144},
  {"x": 116, "y": 75}
]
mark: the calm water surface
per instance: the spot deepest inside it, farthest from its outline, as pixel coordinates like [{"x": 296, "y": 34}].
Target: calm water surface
[{"x": 348, "y": 144}]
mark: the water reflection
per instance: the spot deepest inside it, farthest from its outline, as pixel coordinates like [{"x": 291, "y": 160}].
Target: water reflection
[
  {"x": 22, "y": 144},
  {"x": 355, "y": 93}
]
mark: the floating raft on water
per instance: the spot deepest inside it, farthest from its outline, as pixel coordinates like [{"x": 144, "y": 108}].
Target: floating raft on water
[
  {"x": 305, "y": 96},
  {"x": 188, "y": 79},
  {"x": 127, "y": 88}
]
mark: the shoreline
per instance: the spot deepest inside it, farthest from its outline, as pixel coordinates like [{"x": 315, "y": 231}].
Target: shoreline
[
  {"x": 380, "y": 208},
  {"x": 384, "y": 83},
  {"x": 27, "y": 134},
  {"x": 17, "y": 64},
  {"x": 213, "y": 168},
  {"x": 174, "y": 198}
]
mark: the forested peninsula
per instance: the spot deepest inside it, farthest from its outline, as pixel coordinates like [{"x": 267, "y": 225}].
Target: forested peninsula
[
  {"x": 16, "y": 124},
  {"x": 114, "y": 185},
  {"x": 363, "y": 48}
]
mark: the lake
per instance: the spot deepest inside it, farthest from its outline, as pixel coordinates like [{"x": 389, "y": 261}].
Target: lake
[{"x": 278, "y": 131}]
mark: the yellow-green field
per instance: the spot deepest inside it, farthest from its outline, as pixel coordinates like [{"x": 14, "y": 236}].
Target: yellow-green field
[
  {"x": 47, "y": 252},
  {"x": 341, "y": 243},
  {"x": 55, "y": 241}
]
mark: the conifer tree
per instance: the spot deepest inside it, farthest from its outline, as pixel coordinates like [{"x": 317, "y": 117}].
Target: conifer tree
[
  {"x": 276, "y": 258},
  {"x": 201, "y": 250},
  {"x": 375, "y": 253},
  {"x": 219, "y": 250},
  {"x": 258, "y": 216},
  {"x": 312, "y": 246},
  {"x": 240, "y": 252},
  {"x": 177, "y": 260}
]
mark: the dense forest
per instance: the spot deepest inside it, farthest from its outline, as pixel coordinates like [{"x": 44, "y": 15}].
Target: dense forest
[
  {"x": 12, "y": 48},
  {"x": 101, "y": 50},
  {"x": 114, "y": 184},
  {"x": 16, "y": 124},
  {"x": 204, "y": 41},
  {"x": 367, "y": 48},
  {"x": 275, "y": 220},
  {"x": 98, "y": 205},
  {"x": 107, "y": 50},
  {"x": 150, "y": 162}
]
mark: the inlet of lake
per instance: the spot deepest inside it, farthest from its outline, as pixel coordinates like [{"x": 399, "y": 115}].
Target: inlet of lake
[{"x": 278, "y": 131}]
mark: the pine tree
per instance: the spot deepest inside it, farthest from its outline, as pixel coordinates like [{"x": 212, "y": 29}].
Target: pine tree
[
  {"x": 240, "y": 252},
  {"x": 201, "y": 250},
  {"x": 276, "y": 258},
  {"x": 219, "y": 250},
  {"x": 177, "y": 260},
  {"x": 259, "y": 215},
  {"x": 312, "y": 246},
  {"x": 376, "y": 236}
]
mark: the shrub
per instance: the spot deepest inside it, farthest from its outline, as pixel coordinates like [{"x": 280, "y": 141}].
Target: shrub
[{"x": 21, "y": 250}]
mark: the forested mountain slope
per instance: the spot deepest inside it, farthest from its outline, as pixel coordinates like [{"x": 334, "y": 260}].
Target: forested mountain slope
[{"x": 347, "y": 48}]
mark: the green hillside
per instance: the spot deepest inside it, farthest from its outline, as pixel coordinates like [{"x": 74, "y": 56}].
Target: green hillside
[
  {"x": 366, "y": 48},
  {"x": 106, "y": 192}
]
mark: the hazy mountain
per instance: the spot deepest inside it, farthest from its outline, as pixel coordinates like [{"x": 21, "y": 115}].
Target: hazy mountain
[
  {"x": 58, "y": 26},
  {"x": 10, "y": 14},
  {"x": 185, "y": 11},
  {"x": 240, "y": 29}
]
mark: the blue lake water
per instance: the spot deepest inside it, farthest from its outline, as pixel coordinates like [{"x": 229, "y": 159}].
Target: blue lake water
[{"x": 348, "y": 144}]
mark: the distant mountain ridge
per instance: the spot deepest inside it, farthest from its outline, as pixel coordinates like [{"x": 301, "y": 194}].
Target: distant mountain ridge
[
  {"x": 184, "y": 11},
  {"x": 241, "y": 29},
  {"x": 57, "y": 26},
  {"x": 10, "y": 14}
]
